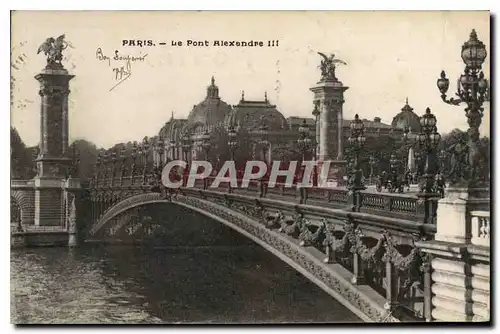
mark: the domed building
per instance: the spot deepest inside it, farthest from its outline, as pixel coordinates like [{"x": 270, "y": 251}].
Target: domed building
[
  {"x": 251, "y": 115},
  {"x": 209, "y": 122},
  {"x": 209, "y": 112},
  {"x": 407, "y": 119}
]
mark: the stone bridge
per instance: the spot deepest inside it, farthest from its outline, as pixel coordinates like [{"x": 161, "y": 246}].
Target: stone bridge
[{"x": 364, "y": 257}]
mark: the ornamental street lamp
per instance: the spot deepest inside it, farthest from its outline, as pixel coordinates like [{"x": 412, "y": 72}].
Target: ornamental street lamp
[
  {"x": 186, "y": 146},
  {"x": 104, "y": 163},
  {"x": 134, "y": 157},
  {"x": 263, "y": 138},
  {"x": 304, "y": 140},
  {"x": 356, "y": 141},
  {"x": 429, "y": 140},
  {"x": 316, "y": 114},
  {"x": 123, "y": 159},
  {"x": 205, "y": 143},
  {"x": 145, "y": 152},
  {"x": 113, "y": 166},
  {"x": 161, "y": 151},
  {"x": 410, "y": 139},
  {"x": 171, "y": 146},
  {"x": 232, "y": 143},
  {"x": 473, "y": 90},
  {"x": 372, "y": 162}
]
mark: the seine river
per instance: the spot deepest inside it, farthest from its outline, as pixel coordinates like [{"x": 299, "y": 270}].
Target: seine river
[{"x": 219, "y": 278}]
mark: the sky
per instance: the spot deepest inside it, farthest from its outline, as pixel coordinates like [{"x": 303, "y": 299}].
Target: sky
[{"x": 390, "y": 56}]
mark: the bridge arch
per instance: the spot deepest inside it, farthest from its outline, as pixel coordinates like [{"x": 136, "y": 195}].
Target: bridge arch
[
  {"x": 25, "y": 200},
  {"x": 308, "y": 262}
]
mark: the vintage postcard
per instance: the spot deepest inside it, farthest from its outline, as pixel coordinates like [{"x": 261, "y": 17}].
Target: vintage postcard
[{"x": 250, "y": 167}]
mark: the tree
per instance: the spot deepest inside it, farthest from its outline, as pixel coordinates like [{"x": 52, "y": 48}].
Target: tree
[
  {"x": 22, "y": 158},
  {"x": 86, "y": 152}
]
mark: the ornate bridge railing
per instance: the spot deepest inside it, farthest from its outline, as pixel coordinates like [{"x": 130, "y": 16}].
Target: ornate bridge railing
[
  {"x": 374, "y": 255},
  {"x": 403, "y": 206}
]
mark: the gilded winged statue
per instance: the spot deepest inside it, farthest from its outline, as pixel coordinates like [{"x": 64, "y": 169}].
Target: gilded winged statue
[
  {"x": 328, "y": 65},
  {"x": 52, "y": 48}
]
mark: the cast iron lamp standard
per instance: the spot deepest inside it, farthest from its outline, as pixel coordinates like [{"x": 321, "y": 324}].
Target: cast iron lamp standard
[
  {"x": 232, "y": 143},
  {"x": 145, "y": 152},
  {"x": 355, "y": 185},
  {"x": 264, "y": 143},
  {"x": 372, "y": 162},
  {"x": 205, "y": 143},
  {"x": 356, "y": 141},
  {"x": 123, "y": 160},
  {"x": 134, "y": 157},
  {"x": 409, "y": 141},
  {"x": 316, "y": 114},
  {"x": 429, "y": 140},
  {"x": 304, "y": 142},
  {"x": 113, "y": 167},
  {"x": 473, "y": 90},
  {"x": 186, "y": 148}
]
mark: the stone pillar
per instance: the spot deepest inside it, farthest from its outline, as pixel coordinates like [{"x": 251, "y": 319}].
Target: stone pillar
[
  {"x": 329, "y": 95},
  {"x": 459, "y": 269},
  {"x": 454, "y": 209},
  {"x": 52, "y": 164}
]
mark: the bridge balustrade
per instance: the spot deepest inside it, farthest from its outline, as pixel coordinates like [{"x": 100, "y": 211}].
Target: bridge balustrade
[
  {"x": 404, "y": 206},
  {"x": 480, "y": 228}
]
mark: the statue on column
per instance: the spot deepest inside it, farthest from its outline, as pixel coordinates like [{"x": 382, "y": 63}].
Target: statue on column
[
  {"x": 328, "y": 65},
  {"x": 52, "y": 48}
]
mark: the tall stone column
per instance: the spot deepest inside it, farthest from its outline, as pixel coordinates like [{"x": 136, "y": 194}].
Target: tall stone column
[
  {"x": 329, "y": 95},
  {"x": 52, "y": 164}
]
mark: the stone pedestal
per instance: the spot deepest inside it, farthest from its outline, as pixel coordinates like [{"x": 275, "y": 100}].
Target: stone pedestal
[
  {"x": 460, "y": 287},
  {"x": 52, "y": 162},
  {"x": 49, "y": 202},
  {"x": 454, "y": 222}
]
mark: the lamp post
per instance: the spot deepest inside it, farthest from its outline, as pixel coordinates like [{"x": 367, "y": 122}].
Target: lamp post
[
  {"x": 263, "y": 139},
  {"x": 473, "y": 90},
  {"x": 205, "y": 144},
  {"x": 113, "y": 167},
  {"x": 97, "y": 173},
  {"x": 123, "y": 159},
  {"x": 316, "y": 114},
  {"x": 372, "y": 162},
  {"x": 356, "y": 141},
  {"x": 186, "y": 149},
  {"x": 171, "y": 146},
  {"x": 429, "y": 140},
  {"x": 134, "y": 157},
  {"x": 232, "y": 143},
  {"x": 304, "y": 142},
  {"x": 145, "y": 152}
]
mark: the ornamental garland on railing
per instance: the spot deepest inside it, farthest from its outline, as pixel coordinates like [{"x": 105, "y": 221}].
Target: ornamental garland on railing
[
  {"x": 310, "y": 237},
  {"x": 340, "y": 246},
  {"x": 291, "y": 226}
]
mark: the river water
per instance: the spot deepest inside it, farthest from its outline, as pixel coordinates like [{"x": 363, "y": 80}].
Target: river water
[{"x": 235, "y": 281}]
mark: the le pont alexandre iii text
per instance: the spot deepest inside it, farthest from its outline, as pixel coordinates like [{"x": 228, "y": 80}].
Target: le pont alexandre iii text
[{"x": 204, "y": 43}]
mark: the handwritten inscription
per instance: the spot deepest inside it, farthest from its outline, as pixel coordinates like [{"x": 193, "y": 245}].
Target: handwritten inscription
[{"x": 120, "y": 64}]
